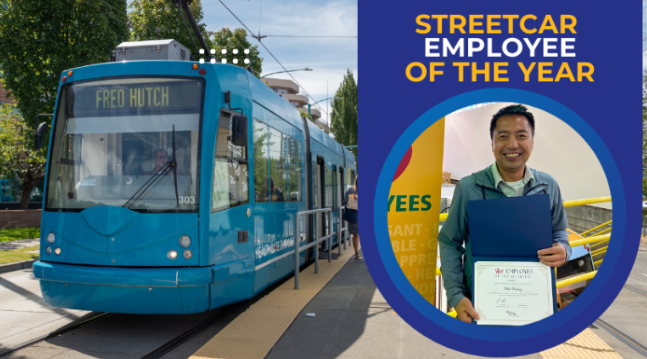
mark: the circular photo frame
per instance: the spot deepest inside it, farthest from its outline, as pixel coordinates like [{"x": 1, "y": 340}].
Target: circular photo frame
[{"x": 487, "y": 340}]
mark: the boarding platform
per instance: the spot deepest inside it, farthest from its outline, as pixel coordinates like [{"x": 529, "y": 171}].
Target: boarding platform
[{"x": 339, "y": 313}]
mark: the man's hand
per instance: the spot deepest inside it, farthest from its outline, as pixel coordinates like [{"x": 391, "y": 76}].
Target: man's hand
[
  {"x": 465, "y": 311},
  {"x": 554, "y": 256}
]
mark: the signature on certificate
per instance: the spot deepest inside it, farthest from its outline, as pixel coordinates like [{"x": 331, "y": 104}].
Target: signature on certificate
[
  {"x": 512, "y": 314},
  {"x": 513, "y": 289}
]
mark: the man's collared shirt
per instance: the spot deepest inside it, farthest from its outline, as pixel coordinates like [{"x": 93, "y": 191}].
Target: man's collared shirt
[{"x": 512, "y": 189}]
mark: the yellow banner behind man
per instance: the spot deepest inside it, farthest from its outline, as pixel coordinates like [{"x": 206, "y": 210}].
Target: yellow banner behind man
[{"x": 414, "y": 202}]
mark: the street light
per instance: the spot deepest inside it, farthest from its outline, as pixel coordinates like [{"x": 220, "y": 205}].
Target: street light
[
  {"x": 280, "y": 72},
  {"x": 329, "y": 98}
]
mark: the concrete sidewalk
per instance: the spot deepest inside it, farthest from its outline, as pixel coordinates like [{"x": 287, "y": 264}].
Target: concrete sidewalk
[
  {"x": 24, "y": 314},
  {"x": 21, "y": 243},
  {"x": 353, "y": 320}
]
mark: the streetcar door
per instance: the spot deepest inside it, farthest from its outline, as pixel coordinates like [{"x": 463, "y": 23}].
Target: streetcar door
[
  {"x": 230, "y": 224},
  {"x": 314, "y": 203},
  {"x": 340, "y": 198},
  {"x": 319, "y": 226}
]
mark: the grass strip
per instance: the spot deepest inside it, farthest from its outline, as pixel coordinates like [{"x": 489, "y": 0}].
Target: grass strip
[
  {"x": 14, "y": 234},
  {"x": 17, "y": 255}
]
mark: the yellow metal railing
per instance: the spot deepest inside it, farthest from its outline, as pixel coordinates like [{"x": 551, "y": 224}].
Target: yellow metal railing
[
  {"x": 604, "y": 231},
  {"x": 597, "y": 263},
  {"x": 576, "y": 279},
  {"x": 586, "y": 233},
  {"x": 599, "y": 251},
  {"x": 582, "y": 202},
  {"x": 590, "y": 240}
]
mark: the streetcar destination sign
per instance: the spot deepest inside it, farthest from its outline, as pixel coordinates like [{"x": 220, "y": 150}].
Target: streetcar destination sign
[{"x": 111, "y": 98}]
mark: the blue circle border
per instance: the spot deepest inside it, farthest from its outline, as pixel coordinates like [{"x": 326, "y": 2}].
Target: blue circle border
[{"x": 500, "y": 341}]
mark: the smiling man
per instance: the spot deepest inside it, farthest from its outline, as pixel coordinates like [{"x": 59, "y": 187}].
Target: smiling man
[{"x": 511, "y": 130}]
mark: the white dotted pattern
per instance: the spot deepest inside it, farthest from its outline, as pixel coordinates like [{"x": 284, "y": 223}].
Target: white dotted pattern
[{"x": 224, "y": 52}]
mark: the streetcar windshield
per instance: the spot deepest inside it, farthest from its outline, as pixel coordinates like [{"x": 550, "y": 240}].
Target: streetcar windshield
[{"x": 129, "y": 142}]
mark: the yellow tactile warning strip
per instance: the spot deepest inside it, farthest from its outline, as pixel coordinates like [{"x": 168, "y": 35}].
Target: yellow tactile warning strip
[
  {"x": 270, "y": 317},
  {"x": 585, "y": 345}
]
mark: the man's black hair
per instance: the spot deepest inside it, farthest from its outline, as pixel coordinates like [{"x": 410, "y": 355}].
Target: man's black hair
[{"x": 513, "y": 110}]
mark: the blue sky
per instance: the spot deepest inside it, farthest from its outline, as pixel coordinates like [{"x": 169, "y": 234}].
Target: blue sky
[{"x": 328, "y": 57}]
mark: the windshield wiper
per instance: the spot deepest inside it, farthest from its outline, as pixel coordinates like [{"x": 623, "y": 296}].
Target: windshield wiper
[
  {"x": 155, "y": 179},
  {"x": 152, "y": 182}
]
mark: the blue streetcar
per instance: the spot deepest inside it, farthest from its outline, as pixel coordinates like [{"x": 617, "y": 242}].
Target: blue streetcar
[{"x": 173, "y": 187}]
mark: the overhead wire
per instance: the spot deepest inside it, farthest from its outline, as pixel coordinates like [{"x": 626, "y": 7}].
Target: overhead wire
[
  {"x": 113, "y": 15},
  {"x": 110, "y": 6},
  {"x": 187, "y": 29},
  {"x": 129, "y": 24},
  {"x": 105, "y": 13},
  {"x": 270, "y": 52}
]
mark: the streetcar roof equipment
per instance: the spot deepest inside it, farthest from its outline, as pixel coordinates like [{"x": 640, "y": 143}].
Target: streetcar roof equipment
[{"x": 168, "y": 49}]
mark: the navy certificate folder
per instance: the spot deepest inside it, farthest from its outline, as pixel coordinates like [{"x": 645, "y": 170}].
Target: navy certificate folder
[{"x": 510, "y": 229}]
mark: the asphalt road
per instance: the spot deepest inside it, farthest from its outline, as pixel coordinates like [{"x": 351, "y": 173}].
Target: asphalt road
[
  {"x": 639, "y": 271},
  {"x": 628, "y": 313}
]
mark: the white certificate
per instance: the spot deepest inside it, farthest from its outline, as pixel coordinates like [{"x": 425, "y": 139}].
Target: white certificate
[{"x": 512, "y": 293}]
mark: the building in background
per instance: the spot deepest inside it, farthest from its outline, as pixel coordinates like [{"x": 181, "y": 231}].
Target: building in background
[
  {"x": 290, "y": 92},
  {"x": 3, "y": 95}
]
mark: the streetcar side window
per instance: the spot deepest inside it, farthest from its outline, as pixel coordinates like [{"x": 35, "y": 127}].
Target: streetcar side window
[
  {"x": 295, "y": 166},
  {"x": 333, "y": 188},
  {"x": 278, "y": 166},
  {"x": 230, "y": 169},
  {"x": 261, "y": 158},
  {"x": 340, "y": 193},
  {"x": 328, "y": 187}
]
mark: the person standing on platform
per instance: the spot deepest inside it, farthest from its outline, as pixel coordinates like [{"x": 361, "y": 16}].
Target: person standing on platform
[
  {"x": 350, "y": 216},
  {"x": 511, "y": 130}
]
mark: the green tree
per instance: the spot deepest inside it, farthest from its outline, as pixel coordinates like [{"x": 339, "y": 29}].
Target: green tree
[
  {"x": 306, "y": 115},
  {"x": 160, "y": 19},
  {"x": 343, "y": 124},
  {"x": 225, "y": 39},
  {"x": 41, "y": 39},
  {"x": 16, "y": 151}
]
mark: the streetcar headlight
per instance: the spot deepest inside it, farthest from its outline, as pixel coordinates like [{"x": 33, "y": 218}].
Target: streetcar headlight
[
  {"x": 48, "y": 250},
  {"x": 185, "y": 241},
  {"x": 188, "y": 254},
  {"x": 57, "y": 251},
  {"x": 172, "y": 254},
  {"x": 51, "y": 238}
]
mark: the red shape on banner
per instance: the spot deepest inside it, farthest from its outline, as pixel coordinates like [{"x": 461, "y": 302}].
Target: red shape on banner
[{"x": 403, "y": 163}]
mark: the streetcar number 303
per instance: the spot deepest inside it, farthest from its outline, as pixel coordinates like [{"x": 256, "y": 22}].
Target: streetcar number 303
[{"x": 187, "y": 199}]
